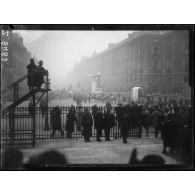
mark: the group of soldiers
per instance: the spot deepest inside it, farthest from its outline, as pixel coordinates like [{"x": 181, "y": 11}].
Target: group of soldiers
[{"x": 35, "y": 74}]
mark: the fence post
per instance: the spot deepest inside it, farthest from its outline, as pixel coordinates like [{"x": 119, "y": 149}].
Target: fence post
[
  {"x": 34, "y": 115},
  {"x": 12, "y": 125},
  {"x": 47, "y": 99}
]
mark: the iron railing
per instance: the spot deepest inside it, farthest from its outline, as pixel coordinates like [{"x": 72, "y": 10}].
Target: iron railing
[{"x": 17, "y": 126}]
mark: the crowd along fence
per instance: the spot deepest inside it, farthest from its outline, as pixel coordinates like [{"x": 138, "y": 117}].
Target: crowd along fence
[{"x": 17, "y": 126}]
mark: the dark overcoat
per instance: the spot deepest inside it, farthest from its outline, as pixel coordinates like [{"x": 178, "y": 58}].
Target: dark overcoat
[
  {"x": 119, "y": 115},
  {"x": 30, "y": 78},
  {"x": 87, "y": 123},
  {"x": 108, "y": 121},
  {"x": 56, "y": 119},
  {"x": 98, "y": 120},
  {"x": 70, "y": 119},
  {"x": 145, "y": 119},
  {"x": 125, "y": 123},
  {"x": 170, "y": 134}
]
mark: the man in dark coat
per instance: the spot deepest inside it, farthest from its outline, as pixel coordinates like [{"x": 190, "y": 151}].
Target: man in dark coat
[
  {"x": 125, "y": 123},
  {"x": 40, "y": 72},
  {"x": 119, "y": 115},
  {"x": 87, "y": 123},
  {"x": 135, "y": 118},
  {"x": 70, "y": 119},
  {"x": 56, "y": 121},
  {"x": 98, "y": 123},
  {"x": 108, "y": 123},
  {"x": 161, "y": 122},
  {"x": 30, "y": 71},
  {"x": 145, "y": 120},
  {"x": 79, "y": 115},
  {"x": 155, "y": 120},
  {"x": 170, "y": 133}
]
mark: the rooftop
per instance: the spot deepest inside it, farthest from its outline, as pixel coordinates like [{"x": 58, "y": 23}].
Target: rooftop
[{"x": 131, "y": 37}]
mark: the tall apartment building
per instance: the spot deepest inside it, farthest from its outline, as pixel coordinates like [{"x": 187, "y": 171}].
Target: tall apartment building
[{"x": 157, "y": 61}]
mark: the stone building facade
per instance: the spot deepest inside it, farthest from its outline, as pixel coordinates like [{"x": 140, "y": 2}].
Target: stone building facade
[
  {"x": 15, "y": 67},
  {"x": 157, "y": 61}
]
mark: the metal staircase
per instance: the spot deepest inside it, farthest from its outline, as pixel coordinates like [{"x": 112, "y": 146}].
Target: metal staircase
[{"x": 19, "y": 94}]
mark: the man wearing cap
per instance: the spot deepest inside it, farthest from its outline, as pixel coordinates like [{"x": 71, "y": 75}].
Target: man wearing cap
[{"x": 40, "y": 72}]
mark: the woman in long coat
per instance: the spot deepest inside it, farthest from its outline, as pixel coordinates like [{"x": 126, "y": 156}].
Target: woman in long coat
[
  {"x": 70, "y": 119},
  {"x": 56, "y": 121}
]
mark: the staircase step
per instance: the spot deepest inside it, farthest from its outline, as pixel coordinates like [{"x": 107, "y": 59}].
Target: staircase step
[{"x": 25, "y": 97}]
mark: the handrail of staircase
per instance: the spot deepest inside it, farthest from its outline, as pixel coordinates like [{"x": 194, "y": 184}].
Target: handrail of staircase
[
  {"x": 16, "y": 83},
  {"x": 13, "y": 84}
]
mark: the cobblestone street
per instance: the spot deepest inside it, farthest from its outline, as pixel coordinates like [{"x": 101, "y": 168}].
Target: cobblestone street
[{"x": 113, "y": 152}]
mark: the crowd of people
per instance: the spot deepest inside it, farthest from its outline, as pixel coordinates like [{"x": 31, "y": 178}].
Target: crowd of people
[
  {"x": 58, "y": 94},
  {"x": 171, "y": 122},
  {"x": 100, "y": 98},
  {"x": 35, "y": 74}
]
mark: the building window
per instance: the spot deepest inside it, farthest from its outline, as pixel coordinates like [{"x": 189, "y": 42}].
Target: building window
[
  {"x": 185, "y": 79},
  {"x": 155, "y": 65},
  {"x": 168, "y": 69},
  {"x": 155, "y": 51}
]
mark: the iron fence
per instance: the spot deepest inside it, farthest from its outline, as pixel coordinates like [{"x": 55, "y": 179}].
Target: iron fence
[{"x": 17, "y": 126}]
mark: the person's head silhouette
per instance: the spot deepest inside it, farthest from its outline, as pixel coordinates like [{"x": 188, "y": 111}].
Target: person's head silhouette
[{"x": 12, "y": 159}]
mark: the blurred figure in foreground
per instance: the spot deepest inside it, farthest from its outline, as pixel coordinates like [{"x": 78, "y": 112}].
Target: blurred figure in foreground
[
  {"x": 47, "y": 159},
  {"x": 148, "y": 160},
  {"x": 12, "y": 159}
]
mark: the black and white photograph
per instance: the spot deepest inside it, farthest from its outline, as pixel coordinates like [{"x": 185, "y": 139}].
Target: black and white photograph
[{"x": 97, "y": 97}]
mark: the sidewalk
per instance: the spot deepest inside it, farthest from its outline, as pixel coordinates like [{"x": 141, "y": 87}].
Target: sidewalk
[{"x": 113, "y": 152}]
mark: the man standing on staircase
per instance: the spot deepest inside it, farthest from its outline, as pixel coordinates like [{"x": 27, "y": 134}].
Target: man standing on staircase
[
  {"x": 40, "y": 73},
  {"x": 30, "y": 71}
]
